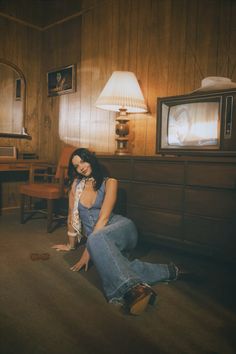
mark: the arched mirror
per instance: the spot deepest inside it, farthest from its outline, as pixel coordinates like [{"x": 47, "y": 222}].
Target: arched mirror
[{"x": 12, "y": 101}]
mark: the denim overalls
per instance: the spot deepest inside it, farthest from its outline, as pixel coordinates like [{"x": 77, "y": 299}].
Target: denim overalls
[{"x": 106, "y": 248}]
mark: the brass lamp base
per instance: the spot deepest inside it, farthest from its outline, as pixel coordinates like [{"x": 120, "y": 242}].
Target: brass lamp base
[
  {"x": 122, "y": 146},
  {"x": 122, "y": 130}
]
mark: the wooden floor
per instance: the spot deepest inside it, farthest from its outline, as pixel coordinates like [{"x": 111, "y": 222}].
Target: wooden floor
[{"x": 45, "y": 308}]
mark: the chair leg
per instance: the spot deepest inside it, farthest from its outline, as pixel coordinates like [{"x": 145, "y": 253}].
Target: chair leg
[
  {"x": 49, "y": 215},
  {"x": 22, "y": 209}
]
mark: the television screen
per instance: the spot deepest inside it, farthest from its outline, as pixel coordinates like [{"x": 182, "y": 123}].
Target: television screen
[{"x": 194, "y": 124}]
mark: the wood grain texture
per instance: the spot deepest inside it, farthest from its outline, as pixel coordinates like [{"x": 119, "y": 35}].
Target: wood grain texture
[
  {"x": 182, "y": 201},
  {"x": 22, "y": 46},
  {"x": 170, "y": 45}
]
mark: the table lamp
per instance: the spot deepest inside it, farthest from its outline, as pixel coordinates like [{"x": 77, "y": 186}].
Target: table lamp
[{"x": 122, "y": 94}]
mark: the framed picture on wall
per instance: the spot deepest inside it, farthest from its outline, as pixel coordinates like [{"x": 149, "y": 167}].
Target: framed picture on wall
[
  {"x": 61, "y": 81},
  {"x": 18, "y": 89}
]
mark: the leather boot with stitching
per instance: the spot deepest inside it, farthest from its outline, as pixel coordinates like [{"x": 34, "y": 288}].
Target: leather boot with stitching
[{"x": 137, "y": 299}]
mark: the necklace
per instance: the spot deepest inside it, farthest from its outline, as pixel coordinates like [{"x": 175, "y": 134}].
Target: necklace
[
  {"x": 88, "y": 179},
  {"x": 89, "y": 182}
]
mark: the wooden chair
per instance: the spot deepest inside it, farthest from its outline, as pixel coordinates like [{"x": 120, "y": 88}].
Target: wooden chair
[{"x": 45, "y": 186}]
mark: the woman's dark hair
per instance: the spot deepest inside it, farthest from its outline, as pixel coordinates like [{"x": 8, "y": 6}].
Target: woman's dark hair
[{"x": 98, "y": 172}]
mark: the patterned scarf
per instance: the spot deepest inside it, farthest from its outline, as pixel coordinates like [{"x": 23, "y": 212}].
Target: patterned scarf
[{"x": 75, "y": 220}]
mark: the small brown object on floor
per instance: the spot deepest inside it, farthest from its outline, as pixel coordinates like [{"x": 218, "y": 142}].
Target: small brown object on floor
[{"x": 39, "y": 256}]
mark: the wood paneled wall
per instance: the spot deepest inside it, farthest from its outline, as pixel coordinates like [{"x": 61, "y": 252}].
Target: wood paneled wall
[
  {"x": 21, "y": 45},
  {"x": 171, "y": 45},
  {"x": 61, "y": 47}
]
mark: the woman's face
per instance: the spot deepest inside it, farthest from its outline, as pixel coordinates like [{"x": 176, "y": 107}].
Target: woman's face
[{"x": 82, "y": 167}]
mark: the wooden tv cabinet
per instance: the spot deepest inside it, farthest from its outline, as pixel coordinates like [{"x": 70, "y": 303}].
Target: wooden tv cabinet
[{"x": 185, "y": 202}]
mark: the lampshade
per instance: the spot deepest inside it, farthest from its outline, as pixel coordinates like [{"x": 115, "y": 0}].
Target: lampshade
[{"x": 122, "y": 91}]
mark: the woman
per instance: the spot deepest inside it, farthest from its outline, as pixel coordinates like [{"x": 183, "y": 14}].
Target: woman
[{"x": 91, "y": 201}]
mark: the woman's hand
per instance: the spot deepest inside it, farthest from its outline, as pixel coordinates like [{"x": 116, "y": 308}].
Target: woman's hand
[
  {"x": 64, "y": 247},
  {"x": 83, "y": 262}
]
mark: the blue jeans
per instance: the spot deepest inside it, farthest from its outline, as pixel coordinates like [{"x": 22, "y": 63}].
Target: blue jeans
[{"x": 118, "y": 274}]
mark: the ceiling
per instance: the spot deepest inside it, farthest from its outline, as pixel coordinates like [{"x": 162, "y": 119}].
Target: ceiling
[{"x": 40, "y": 13}]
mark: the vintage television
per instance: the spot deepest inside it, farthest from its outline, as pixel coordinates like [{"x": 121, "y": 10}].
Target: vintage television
[{"x": 198, "y": 123}]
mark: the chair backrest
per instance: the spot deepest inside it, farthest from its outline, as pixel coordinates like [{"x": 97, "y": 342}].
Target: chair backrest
[{"x": 64, "y": 161}]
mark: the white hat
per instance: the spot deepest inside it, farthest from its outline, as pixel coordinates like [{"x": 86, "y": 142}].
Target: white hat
[{"x": 214, "y": 83}]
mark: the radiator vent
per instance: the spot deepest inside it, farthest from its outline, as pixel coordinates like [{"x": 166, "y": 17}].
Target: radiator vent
[{"x": 8, "y": 152}]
